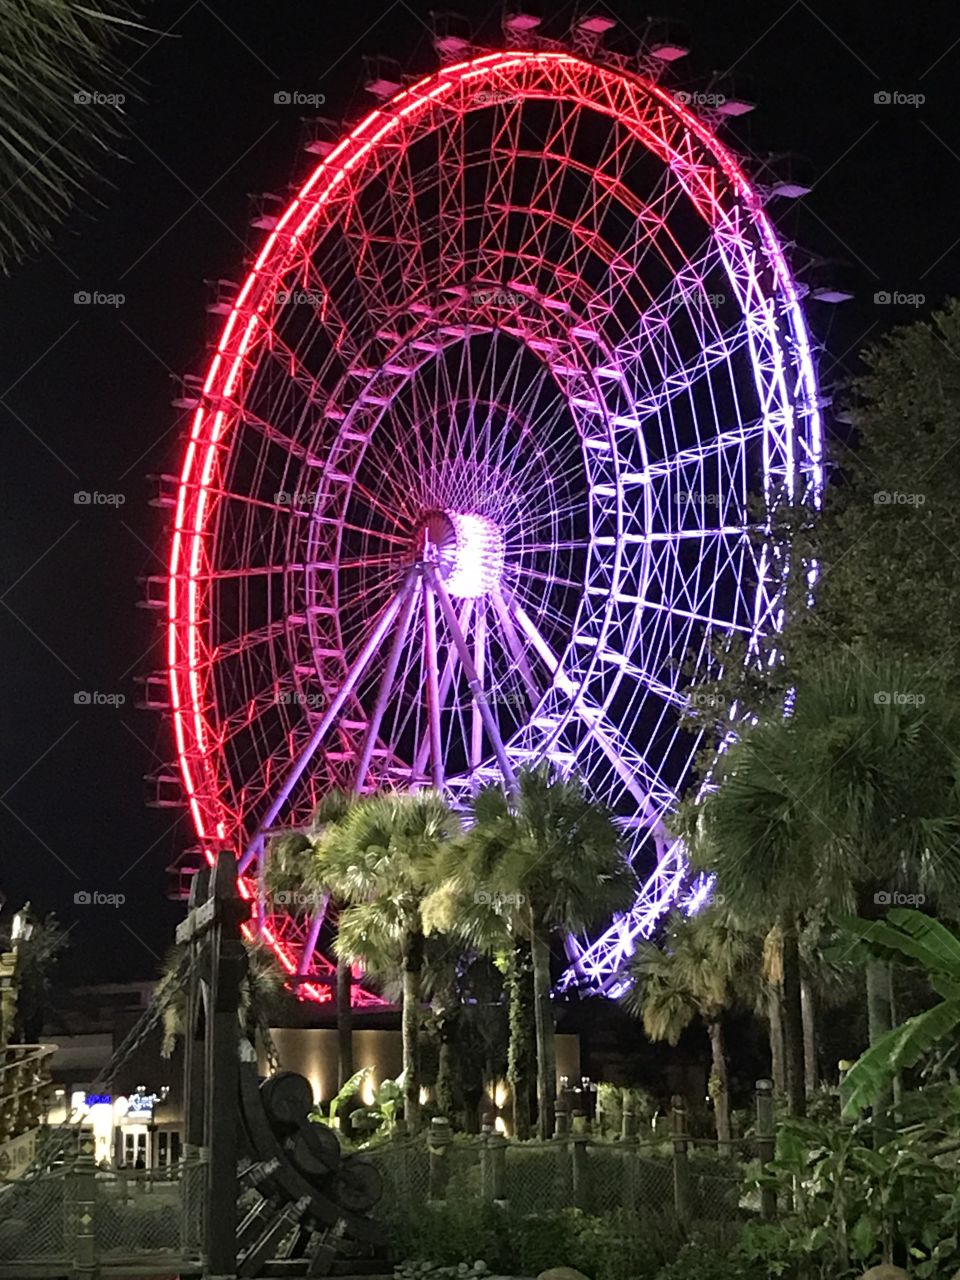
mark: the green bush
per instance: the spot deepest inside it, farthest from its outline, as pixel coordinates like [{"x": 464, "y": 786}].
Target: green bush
[
  {"x": 614, "y": 1247},
  {"x": 759, "y": 1251}
]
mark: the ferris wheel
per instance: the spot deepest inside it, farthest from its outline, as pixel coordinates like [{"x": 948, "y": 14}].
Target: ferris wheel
[{"x": 473, "y": 468}]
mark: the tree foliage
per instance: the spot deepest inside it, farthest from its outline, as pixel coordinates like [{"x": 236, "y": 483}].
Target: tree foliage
[{"x": 55, "y": 56}]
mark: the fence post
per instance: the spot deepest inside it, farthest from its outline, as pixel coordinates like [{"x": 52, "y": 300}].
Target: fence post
[
  {"x": 579, "y": 1172},
  {"x": 681, "y": 1170},
  {"x": 766, "y": 1144},
  {"x": 192, "y": 1186},
  {"x": 493, "y": 1168},
  {"x": 80, "y": 1204},
  {"x": 561, "y": 1120},
  {"x": 497, "y": 1147},
  {"x": 631, "y": 1174},
  {"x": 439, "y": 1138},
  {"x": 628, "y": 1118}
]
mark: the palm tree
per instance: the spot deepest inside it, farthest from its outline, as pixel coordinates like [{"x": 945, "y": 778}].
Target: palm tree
[
  {"x": 290, "y": 865},
  {"x": 382, "y": 861},
  {"x": 884, "y": 740},
  {"x": 552, "y": 859},
  {"x": 851, "y": 795},
  {"x": 54, "y": 56},
  {"x": 695, "y": 972},
  {"x": 464, "y": 908},
  {"x": 752, "y": 831},
  {"x": 331, "y": 812}
]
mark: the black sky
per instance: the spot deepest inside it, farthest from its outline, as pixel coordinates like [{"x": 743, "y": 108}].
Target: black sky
[{"x": 85, "y": 390}]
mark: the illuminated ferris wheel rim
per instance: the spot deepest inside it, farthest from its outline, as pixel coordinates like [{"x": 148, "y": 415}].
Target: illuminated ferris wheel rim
[{"x": 545, "y": 74}]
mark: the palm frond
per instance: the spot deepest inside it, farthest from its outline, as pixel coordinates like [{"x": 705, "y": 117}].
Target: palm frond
[{"x": 63, "y": 81}]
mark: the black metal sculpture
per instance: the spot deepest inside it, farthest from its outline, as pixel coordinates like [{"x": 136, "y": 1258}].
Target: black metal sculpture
[{"x": 281, "y": 1197}]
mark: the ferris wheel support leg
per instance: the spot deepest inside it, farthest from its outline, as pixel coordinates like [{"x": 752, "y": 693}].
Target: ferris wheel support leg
[
  {"x": 591, "y": 724},
  {"x": 480, "y": 662},
  {"x": 476, "y": 686},
  {"x": 516, "y": 648},
  {"x": 446, "y": 680},
  {"x": 360, "y": 665},
  {"x": 433, "y": 687},
  {"x": 386, "y": 683},
  {"x": 313, "y": 933}
]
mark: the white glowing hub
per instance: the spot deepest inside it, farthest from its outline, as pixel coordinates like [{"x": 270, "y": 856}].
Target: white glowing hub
[
  {"x": 479, "y": 556},
  {"x": 467, "y": 550}
]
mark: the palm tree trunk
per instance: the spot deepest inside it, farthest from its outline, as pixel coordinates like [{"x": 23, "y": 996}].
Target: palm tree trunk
[
  {"x": 410, "y": 1029},
  {"x": 546, "y": 1052},
  {"x": 808, "y": 1004},
  {"x": 793, "y": 1018},
  {"x": 521, "y": 1049},
  {"x": 879, "y": 1022},
  {"x": 446, "y": 1102},
  {"x": 345, "y": 1067},
  {"x": 775, "y": 1024},
  {"x": 720, "y": 1083}
]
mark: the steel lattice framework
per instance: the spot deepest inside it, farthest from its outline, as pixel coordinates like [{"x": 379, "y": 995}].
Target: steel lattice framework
[{"x": 473, "y": 466}]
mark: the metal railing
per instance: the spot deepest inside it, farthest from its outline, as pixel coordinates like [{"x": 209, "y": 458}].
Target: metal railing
[
  {"x": 25, "y": 1088},
  {"x": 574, "y": 1171},
  {"x": 694, "y": 1180},
  {"x": 76, "y": 1218}
]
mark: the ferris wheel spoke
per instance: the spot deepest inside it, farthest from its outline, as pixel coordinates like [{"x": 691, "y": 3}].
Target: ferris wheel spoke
[
  {"x": 616, "y": 752},
  {"x": 480, "y": 662},
  {"x": 386, "y": 685},
  {"x": 534, "y": 692},
  {"x": 273, "y": 435},
  {"x": 446, "y": 681},
  {"x": 678, "y": 378},
  {"x": 353, "y": 674},
  {"x": 433, "y": 688},
  {"x": 693, "y": 458},
  {"x": 476, "y": 685}
]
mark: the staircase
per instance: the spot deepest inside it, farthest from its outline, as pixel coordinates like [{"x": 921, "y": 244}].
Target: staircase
[{"x": 25, "y": 1089}]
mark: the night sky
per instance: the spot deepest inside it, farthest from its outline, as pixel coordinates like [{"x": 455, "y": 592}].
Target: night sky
[{"x": 85, "y": 390}]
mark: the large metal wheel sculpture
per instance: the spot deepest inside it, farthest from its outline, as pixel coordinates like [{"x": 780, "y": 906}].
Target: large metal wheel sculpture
[{"x": 473, "y": 466}]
